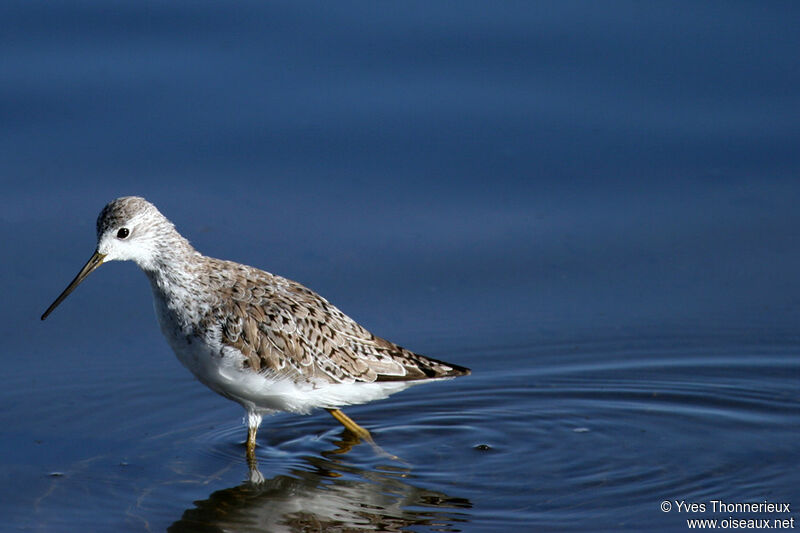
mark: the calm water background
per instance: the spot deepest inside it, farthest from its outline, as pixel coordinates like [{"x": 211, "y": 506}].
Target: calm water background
[{"x": 592, "y": 205}]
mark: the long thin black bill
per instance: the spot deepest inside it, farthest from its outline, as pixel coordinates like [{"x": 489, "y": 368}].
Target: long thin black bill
[{"x": 95, "y": 261}]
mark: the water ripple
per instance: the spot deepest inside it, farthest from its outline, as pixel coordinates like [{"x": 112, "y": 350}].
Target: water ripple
[{"x": 537, "y": 433}]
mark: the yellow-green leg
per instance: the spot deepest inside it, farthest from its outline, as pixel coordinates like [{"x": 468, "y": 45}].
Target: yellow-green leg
[
  {"x": 251, "y": 439},
  {"x": 351, "y": 426},
  {"x": 253, "y": 421},
  {"x": 252, "y": 463}
]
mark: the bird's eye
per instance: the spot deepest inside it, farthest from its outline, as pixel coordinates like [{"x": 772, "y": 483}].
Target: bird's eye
[{"x": 122, "y": 233}]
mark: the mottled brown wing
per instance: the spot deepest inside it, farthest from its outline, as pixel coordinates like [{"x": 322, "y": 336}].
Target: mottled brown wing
[{"x": 282, "y": 326}]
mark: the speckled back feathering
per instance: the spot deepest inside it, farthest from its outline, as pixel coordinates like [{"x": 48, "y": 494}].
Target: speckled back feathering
[{"x": 281, "y": 326}]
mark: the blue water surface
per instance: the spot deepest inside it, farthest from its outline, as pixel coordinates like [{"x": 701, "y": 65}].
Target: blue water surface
[{"x": 592, "y": 205}]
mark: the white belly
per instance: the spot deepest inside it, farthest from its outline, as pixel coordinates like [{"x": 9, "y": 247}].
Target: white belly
[{"x": 221, "y": 369}]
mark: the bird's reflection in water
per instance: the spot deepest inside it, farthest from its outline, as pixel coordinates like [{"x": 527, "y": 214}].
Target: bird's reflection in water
[{"x": 329, "y": 495}]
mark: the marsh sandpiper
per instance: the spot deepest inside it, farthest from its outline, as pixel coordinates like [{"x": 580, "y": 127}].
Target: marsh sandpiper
[{"x": 258, "y": 339}]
